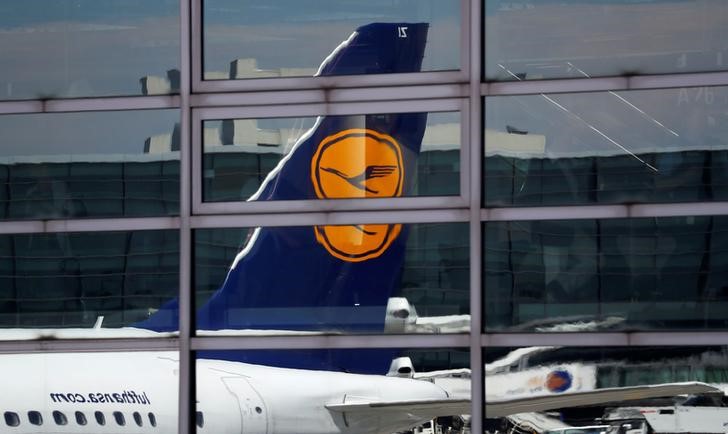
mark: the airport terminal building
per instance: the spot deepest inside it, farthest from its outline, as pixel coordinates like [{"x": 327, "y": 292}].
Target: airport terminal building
[{"x": 329, "y": 185}]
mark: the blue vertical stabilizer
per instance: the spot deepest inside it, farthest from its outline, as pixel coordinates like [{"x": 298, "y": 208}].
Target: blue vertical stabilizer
[{"x": 317, "y": 278}]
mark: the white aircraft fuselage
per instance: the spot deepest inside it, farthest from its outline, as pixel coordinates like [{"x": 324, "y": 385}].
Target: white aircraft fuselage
[{"x": 231, "y": 397}]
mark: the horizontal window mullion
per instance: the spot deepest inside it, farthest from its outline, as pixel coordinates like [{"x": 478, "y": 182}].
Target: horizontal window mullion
[
  {"x": 55, "y": 345},
  {"x": 605, "y": 339},
  {"x": 605, "y": 211},
  {"x": 90, "y": 104},
  {"x": 339, "y": 218},
  {"x": 88, "y": 225},
  {"x": 334, "y": 205},
  {"x": 324, "y": 108},
  {"x": 330, "y": 82},
  {"x": 312, "y": 341},
  {"x": 527, "y": 87},
  {"x": 596, "y": 84},
  {"x": 322, "y": 96}
]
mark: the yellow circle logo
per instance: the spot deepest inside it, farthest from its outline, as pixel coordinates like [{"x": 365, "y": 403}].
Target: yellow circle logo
[{"x": 357, "y": 163}]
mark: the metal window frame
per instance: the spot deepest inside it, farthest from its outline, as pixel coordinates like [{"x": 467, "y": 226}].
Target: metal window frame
[
  {"x": 90, "y": 104},
  {"x": 325, "y": 218},
  {"x": 607, "y": 339},
  {"x": 580, "y": 212},
  {"x": 476, "y": 131},
  {"x": 88, "y": 225},
  {"x": 186, "y": 392},
  {"x": 329, "y": 82},
  {"x": 613, "y": 83},
  {"x": 351, "y": 95},
  {"x": 325, "y": 109}
]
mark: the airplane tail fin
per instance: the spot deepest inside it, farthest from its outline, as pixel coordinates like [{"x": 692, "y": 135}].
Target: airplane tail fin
[{"x": 329, "y": 278}]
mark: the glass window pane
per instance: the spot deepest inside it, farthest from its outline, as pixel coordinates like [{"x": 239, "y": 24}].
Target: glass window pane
[
  {"x": 332, "y": 157},
  {"x": 262, "y": 393},
  {"x": 545, "y": 39},
  {"x": 104, "y": 164},
  {"x": 119, "y": 417},
  {"x": 362, "y": 278},
  {"x": 61, "y": 280},
  {"x": 11, "y": 418},
  {"x": 569, "y": 383},
  {"x": 613, "y": 274},
  {"x": 35, "y": 417},
  {"x": 112, "y": 381},
  {"x": 60, "y": 418},
  {"x": 81, "y": 48},
  {"x": 667, "y": 145},
  {"x": 245, "y": 39}
]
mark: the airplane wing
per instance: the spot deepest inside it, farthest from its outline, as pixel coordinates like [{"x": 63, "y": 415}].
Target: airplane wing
[
  {"x": 425, "y": 408},
  {"x": 431, "y": 408},
  {"x": 395, "y": 416},
  {"x": 505, "y": 407}
]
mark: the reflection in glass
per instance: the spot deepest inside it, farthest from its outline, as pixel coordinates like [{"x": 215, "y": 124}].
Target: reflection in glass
[
  {"x": 62, "y": 280},
  {"x": 431, "y": 386},
  {"x": 579, "y": 275},
  {"x": 558, "y": 372},
  {"x": 244, "y": 39},
  {"x": 65, "y": 388},
  {"x": 379, "y": 155},
  {"x": 665, "y": 145},
  {"x": 103, "y": 164},
  {"x": 543, "y": 39},
  {"x": 359, "y": 278},
  {"x": 81, "y": 48}
]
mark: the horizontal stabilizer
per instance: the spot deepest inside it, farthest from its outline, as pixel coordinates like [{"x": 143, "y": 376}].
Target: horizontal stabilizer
[{"x": 505, "y": 407}]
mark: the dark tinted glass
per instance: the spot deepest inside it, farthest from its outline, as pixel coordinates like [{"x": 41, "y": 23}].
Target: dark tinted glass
[
  {"x": 243, "y": 39},
  {"x": 199, "y": 419},
  {"x": 78, "y": 48},
  {"x": 73, "y": 279},
  {"x": 60, "y": 418},
  {"x": 103, "y": 164},
  {"x": 11, "y": 418},
  {"x": 80, "y": 418},
  {"x": 137, "y": 418},
  {"x": 100, "y": 418},
  {"x": 119, "y": 417},
  {"x": 584, "y": 275},
  {"x": 333, "y": 157},
  {"x": 610, "y": 147},
  {"x": 35, "y": 418},
  {"x": 581, "y": 38},
  {"x": 152, "y": 419},
  {"x": 360, "y": 278}
]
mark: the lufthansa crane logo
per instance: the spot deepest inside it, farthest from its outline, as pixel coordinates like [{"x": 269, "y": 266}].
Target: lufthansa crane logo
[
  {"x": 559, "y": 381},
  {"x": 357, "y": 163}
]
